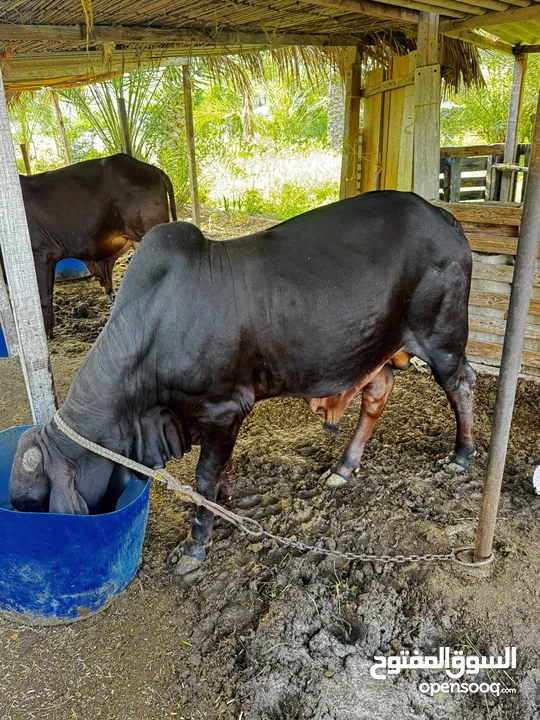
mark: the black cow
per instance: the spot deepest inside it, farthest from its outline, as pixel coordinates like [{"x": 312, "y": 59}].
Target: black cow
[
  {"x": 94, "y": 211},
  {"x": 203, "y": 330}
]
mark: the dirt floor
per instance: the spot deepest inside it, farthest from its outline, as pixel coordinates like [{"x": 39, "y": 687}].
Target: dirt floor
[{"x": 266, "y": 633}]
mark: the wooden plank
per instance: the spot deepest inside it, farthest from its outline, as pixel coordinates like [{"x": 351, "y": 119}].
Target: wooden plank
[
  {"x": 520, "y": 49},
  {"x": 497, "y": 244},
  {"x": 395, "y": 101},
  {"x": 7, "y": 322},
  {"x": 21, "y": 276},
  {"x": 426, "y": 131},
  {"x": 190, "y": 138},
  {"x": 494, "y": 352},
  {"x": 392, "y": 84},
  {"x": 497, "y": 326},
  {"x": 118, "y": 34},
  {"x": 515, "y": 15},
  {"x": 351, "y": 128},
  {"x": 372, "y": 137},
  {"x": 427, "y": 52},
  {"x": 26, "y": 158},
  {"x": 367, "y": 7},
  {"x": 503, "y": 167},
  {"x": 498, "y": 273},
  {"x": 126, "y": 136},
  {"x": 512, "y": 125},
  {"x": 472, "y": 151},
  {"x": 498, "y": 301},
  {"x": 496, "y": 213},
  {"x": 405, "y": 170},
  {"x": 480, "y": 40}
]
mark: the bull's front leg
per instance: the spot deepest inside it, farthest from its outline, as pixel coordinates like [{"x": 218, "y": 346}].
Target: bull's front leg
[
  {"x": 218, "y": 438},
  {"x": 375, "y": 395}
]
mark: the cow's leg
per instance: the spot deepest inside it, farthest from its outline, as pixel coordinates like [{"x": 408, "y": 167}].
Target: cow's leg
[
  {"x": 374, "y": 398},
  {"x": 218, "y": 437},
  {"x": 45, "y": 270},
  {"x": 457, "y": 378},
  {"x": 225, "y": 489}
]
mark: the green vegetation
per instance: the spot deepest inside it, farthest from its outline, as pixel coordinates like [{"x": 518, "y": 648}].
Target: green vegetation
[{"x": 268, "y": 136}]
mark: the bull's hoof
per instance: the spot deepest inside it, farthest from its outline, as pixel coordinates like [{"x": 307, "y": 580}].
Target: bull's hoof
[
  {"x": 333, "y": 479},
  {"x": 331, "y": 428},
  {"x": 454, "y": 463},
  {"x": 186, "y": 558},
  {"x": 111, "y": 296}
]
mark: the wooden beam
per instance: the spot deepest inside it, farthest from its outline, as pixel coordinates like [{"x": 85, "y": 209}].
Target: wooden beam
[
  {"x": 21, "y": 276},
  {"x": 99, "y": 34},
  {"x": 480, "y": 40},
  {"x": 190, "y": 137},
  {"x": 526, "y": 49},
  {"x": 472, "y": 150},
  {"x": 372, "y": 137},
  {"x": 61, "y": 128},
  {"x": 387, "y": 85},
  {"x": 515, "y": 15},
  {"x": 427, "y": 99},
  {"x": 367, "y": 7},
  {"x": 351, "y": 128},
  {"x": 126, "y": 136},
  {"x": 512, "y": 125}
]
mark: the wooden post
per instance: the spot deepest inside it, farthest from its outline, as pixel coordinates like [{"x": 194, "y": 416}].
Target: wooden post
[
  {"x": 7, "y": 322},
  {"x": 125, "y": 125},
  {"x": 427, "y": 107},
  {"x": 61, "y": 128},
  {"x": 190, "y": 137},
  {"x": 26, "y": 158},
  {"x": 512, "y": 125},
  {"x": 21, "y": 277},
  {"x": 351, "y": 128},
  {"x": 527, "y": 250}
]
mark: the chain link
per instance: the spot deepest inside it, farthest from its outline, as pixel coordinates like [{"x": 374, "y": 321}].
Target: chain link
[{"x": 247, "y": 525}]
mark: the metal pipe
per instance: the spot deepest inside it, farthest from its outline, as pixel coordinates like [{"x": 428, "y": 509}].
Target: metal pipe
[{"x": 525, "y": 267}]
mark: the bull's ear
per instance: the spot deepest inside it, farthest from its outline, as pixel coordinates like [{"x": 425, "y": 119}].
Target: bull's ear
[{"x": 62, "y": 477}]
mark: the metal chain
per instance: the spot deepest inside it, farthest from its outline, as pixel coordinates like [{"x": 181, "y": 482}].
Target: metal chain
[{"x": 247, "y": 525}]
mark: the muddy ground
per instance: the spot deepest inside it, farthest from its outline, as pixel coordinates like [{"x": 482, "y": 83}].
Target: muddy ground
[{"x": 266, "y": 633}]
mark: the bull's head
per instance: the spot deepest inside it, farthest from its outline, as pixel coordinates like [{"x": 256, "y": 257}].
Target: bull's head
[{"x": 43, "y": 479}]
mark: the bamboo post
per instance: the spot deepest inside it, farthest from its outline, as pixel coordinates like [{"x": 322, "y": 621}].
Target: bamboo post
[
  {"x": 351, "y": 129},
  {"x": 126, "y": 137},
  {"x": 512, "y": 125},
  {"x": 527, "y": 249},
  {"x": 61, "y": 128},
  {"x": 190, "y": 137},
  {"x": 26, "y": 158},
  {"x": 21, "y": 277},
  {"x": 427, "y": 107}
]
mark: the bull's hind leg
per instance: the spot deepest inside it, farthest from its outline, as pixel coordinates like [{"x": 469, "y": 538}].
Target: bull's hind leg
[
  {"x": 218, "y": 437},
  {"x": 374, "y": 398},
  {"x": 457, "y": 378}
]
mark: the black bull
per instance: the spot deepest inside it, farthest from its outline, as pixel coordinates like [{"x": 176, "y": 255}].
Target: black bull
[
  {"x": 94, "y": 211},
  {"x": 203, "y": 330}
]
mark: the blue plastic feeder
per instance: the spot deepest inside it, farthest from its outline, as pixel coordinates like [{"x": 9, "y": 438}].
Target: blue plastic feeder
[
  {"x": 3, "y": 346},
  {"x": 71, "y": 269},
  {"x": 61, "y": 568}
]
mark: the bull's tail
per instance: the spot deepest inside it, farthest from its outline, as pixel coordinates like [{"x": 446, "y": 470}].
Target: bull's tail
[{"x": 170, "y": 191}]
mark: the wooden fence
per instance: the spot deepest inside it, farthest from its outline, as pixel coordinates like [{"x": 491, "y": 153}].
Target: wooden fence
[{"x": 492, "y": 230}]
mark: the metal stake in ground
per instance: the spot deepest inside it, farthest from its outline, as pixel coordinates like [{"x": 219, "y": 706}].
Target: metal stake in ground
[{"x": 527, "y": 251}]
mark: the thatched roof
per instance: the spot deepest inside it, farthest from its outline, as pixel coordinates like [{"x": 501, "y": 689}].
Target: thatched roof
[{"x": 63, "y": 42}]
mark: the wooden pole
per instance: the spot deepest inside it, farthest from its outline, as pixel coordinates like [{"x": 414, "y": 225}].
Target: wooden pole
[
  {"x": 125, "y": 126},
  {"x": 512, "y": 125},
  {"x": 427, "y": 108},
  {"x": 7, "y": 322},
  {"x": 190, "y": 137},
  {"x": 26, "y": 158},
  {"x": 21, "y": 277},
  {"x": 62, "y": 128},
  {"x": 351, "y": 128},
  {"x": 527, "y": 249}
]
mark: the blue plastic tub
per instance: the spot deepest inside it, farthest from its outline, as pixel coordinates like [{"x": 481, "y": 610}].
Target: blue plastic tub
[
  {"x": 61, "y": 568},
  {"x": 71, "y": 269},
  {"x": 3, "y": 346}
]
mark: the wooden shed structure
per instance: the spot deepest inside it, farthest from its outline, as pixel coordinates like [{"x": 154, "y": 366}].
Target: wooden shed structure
[{"x": 65, "y": 42}]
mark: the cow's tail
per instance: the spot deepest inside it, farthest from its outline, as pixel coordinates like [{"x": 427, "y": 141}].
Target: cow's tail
[{"x": 170, "y": 191}]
